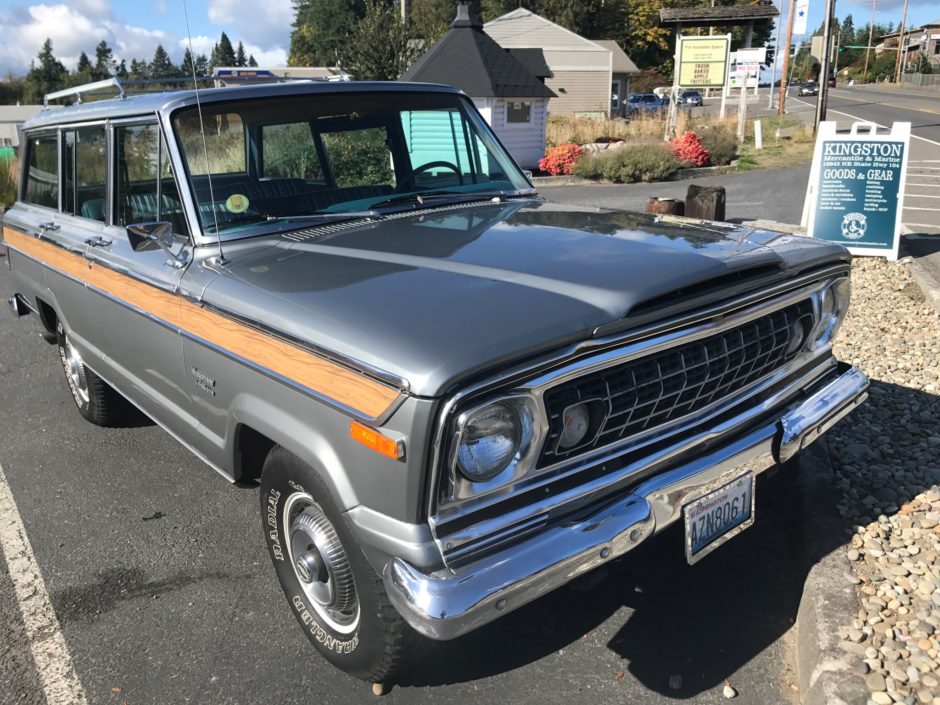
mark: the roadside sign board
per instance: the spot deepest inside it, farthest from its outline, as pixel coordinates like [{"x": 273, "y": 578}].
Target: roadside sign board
[
  {"x": 856, "y": 187},
  {"x": 749, "y": 56},
  {"x": 703, "y": 61}
]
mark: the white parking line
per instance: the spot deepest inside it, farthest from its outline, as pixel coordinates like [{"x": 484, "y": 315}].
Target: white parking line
[
  {"x": 57, "y": 675},
  {"x": 918, "y": 195},
  {"x": 911, "y": 183},
  {"x": 911, "y": 208}
]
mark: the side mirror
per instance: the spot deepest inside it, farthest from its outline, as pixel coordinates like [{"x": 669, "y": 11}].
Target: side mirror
[{"x": 157, "y": 234}]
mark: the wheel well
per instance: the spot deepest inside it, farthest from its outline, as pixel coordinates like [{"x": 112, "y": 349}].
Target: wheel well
[
  {"x": 47, "y": 315},
  {"x": 251, "y": 449}
]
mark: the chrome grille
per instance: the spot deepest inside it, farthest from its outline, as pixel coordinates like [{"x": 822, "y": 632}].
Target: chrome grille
[{"x": 642, "y": 394}]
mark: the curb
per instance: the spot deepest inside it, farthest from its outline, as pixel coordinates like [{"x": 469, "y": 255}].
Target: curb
[
  {"x": 825, "y": 669},
  {"x": 922, "y": 275}
]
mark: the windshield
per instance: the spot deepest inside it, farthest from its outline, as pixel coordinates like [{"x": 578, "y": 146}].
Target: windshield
[{"x": 276, "y": 162}]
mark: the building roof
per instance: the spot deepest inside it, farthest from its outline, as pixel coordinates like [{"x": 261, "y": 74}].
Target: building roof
[
  {"x": 717, "y": 16},
  {"x": 470, "y": 59},
  {"x": 524, "y": 28},
  {"x": 533, "y": 60},
  {"x": 621, "y": 62}
]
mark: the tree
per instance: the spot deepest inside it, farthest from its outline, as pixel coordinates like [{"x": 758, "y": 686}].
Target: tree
[
  {"x": 139, "y": 69},
  {"x": 251, "y": 61},
  {"x": 920, "y": 63},
  {"x": 104, "y": 61},
  {"x": 429, "y": 19},
  {"x": 84, "y": 64},
  {"x": 222, "y": 53},
  {"x": 240, "y": 58},
  {"x": 321, "y": 28},
  {"x": 491, "y": 9},
  {"x": 121, "y": 70},
  {"x": 161, "y": 66},
  {"x": 380, "y": 47},
  {"x": 48, "y": 76},
  {"x": 203, "y": 67},
  {"x": 186, "y": 65}
]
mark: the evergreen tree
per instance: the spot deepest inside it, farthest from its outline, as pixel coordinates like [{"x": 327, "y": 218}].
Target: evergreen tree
[
  {"x": 161, "y": 66},
  {"x": 222, "y": 53},
  {"x": 48, "y": 76},
  {"x": 251, "y": 61},
  {"x": 321, "y": 29},
  {"x": 202, "y": 65},
  {"x": 84, "y": 64},
  {"x": 139, "y": 70},
  {"x": 380, "y": 47},
  {"x": 920, "y": 63},
  {"x": 104, "y": 61},
  {"x": 186, "y": 66},
  {"x": 240, "y": 58},
  {"x": 491, "y": 9}
]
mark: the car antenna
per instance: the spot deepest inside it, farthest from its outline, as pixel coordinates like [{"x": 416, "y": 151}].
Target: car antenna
[{"x": 202, "y": 133}]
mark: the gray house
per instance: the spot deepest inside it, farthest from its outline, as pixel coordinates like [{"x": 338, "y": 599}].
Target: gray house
[
  {"x": 506, "y": 86},
  {"x": 586, "y": 74}
]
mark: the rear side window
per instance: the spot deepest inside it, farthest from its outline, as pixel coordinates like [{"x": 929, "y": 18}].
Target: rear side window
[
  {"x": 42, "y": 172},
  {"x": 85, "y": 166}
]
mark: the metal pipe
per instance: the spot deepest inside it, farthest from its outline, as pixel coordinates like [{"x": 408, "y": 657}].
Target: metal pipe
[
  {"x": 823, "y": 98},
  {"x": 773, "y": 76}
]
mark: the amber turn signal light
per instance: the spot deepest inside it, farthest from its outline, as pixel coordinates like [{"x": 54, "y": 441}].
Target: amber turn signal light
[{"x": 376, "y": 441}]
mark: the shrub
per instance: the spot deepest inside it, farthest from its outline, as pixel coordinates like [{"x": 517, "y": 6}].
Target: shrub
[
  {"x": 641, "y": 162},
  {"x": 720, "y": 142},
  {"x": 560, "y": 160},
  {"x": 9, "y": 173},
  {"x": 689, "y": 150}
]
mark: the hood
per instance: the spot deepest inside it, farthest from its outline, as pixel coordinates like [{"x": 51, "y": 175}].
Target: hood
[{"x": 435, "y": 298}]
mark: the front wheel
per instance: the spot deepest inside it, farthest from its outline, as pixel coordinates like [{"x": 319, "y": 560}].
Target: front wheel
[{"x": 333, "y": 592}]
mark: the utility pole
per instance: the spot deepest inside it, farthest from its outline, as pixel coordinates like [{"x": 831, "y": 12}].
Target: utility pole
[
  {"x": 871, "y": 30},
  {"x": 897, "y": 64},
  {"x": 823, "y": 97},
  {"x": 773, "y": 75},
  {"x": 781, "y": 104}
]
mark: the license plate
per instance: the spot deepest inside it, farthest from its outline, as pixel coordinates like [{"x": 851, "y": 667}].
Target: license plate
[{"x": 721, "y": 514}]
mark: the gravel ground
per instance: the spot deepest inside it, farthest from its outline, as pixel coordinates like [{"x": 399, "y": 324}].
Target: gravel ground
[{"x": 887, "y": 462}]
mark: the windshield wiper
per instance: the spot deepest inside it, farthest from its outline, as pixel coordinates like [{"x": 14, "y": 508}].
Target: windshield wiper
[
  {"x": 430, "y": 198},
  {"x": 327, "y": 215}
]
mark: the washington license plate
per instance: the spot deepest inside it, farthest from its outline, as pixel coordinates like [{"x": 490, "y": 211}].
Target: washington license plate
[{"x": 717, "y": 516}]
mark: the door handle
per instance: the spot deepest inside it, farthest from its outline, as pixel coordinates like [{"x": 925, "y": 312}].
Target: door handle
[
  {"x": 97, "y": 241},
  {"x": 49, "y": 226}
]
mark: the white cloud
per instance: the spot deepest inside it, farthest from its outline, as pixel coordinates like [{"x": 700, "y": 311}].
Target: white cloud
[
  {"x": 73, "y": 28},
  {"x": 268, "y": 28},
  {"x": 273, "y": 56}
]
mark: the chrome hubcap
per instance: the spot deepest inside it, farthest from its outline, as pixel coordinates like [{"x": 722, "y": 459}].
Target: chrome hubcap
[
  {"x": 75, "y": 370},
  {"x": 321, "y": 564}
]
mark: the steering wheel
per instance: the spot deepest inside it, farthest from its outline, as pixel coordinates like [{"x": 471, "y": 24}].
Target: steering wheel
[{"x": 410, "y": 179}]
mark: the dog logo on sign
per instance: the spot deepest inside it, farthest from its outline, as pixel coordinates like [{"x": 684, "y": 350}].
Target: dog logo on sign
[{"x": 854, "y": 225}]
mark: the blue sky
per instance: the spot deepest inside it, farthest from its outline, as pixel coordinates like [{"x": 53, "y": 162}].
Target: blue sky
[{"x": 133, "y": 28}]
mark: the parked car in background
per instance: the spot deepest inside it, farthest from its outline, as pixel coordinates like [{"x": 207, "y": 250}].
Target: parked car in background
[
  {"x": 690, "y": 99},
  {"x": 809, "y": 88},
  {"x": 454, "y": 396},
  {"x": 831, "y": 82},
  {"x": 648, "y": 103}
]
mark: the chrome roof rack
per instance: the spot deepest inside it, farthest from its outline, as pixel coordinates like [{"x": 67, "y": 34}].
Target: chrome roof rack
[{"x": 85, "y": 88}]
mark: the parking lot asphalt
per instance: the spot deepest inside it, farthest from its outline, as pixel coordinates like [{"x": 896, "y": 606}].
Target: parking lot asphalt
[{"x": 156, "y": 570}]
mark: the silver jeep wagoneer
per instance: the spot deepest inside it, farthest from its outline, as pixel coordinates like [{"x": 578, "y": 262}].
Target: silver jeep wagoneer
[{"x": 455, "y": 396}]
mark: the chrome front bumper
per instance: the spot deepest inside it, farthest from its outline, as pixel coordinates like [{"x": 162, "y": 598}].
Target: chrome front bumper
[{"x": 449, "y": 603}]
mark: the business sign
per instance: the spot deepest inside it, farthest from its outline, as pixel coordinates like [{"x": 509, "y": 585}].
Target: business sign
[
  {"x": 856, "y": 187},
  {"x": 703, "y": 61},
  {"x": 749, "y": 56}
]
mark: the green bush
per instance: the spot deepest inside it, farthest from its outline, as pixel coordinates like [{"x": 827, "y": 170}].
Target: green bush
[
  {"x": 720, "y": 142},
  {"x": 9, "y": 173},
  {"x": 640, "y": 162}
]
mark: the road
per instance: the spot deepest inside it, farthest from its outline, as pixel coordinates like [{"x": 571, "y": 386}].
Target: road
[{"x": 156, "y": 570}]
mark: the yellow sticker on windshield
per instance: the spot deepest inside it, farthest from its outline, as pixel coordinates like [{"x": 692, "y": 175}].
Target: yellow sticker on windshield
[{"x": 236, "y": 203}]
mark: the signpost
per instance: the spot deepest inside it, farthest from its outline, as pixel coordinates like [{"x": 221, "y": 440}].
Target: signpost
[
  {"x": 856, "y": 187},
  {"x": 703, "y": 61}
]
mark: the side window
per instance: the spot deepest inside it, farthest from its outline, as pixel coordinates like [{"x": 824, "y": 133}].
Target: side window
[
  {"x": 224, "y": 143},
  {"x": 144, "y": 187},
  {"x": 42, "y": 172},
  {"x": 289, "y": 152},
  {"x": 359, "y": 157},
  {"x": 518, "y": 111},
  {"x": 84, "y": 163}
]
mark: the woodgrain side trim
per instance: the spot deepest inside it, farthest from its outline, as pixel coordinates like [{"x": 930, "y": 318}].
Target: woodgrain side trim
[{"x": 361, "y": 394}]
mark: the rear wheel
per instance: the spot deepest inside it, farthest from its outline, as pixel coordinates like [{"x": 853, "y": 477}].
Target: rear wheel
[
  {"x": 332, "y": 589},
  {"x": 97, "y": 401}
]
